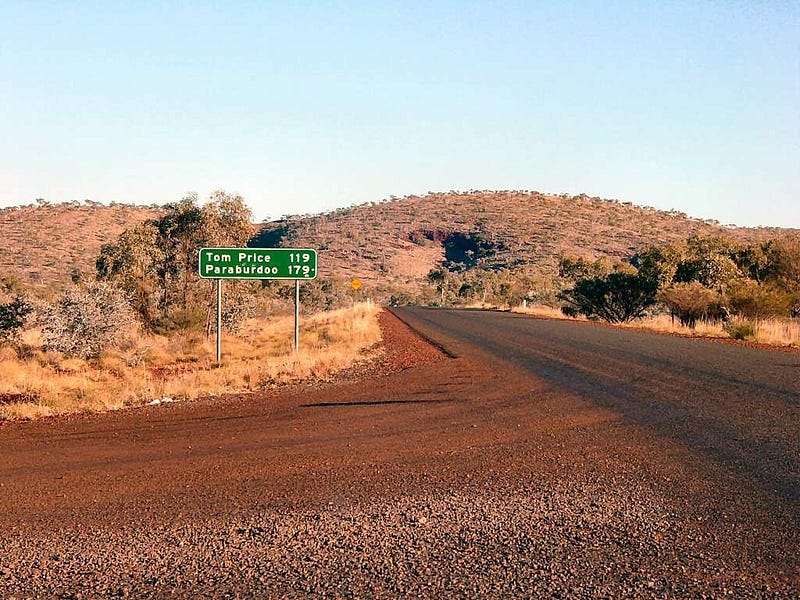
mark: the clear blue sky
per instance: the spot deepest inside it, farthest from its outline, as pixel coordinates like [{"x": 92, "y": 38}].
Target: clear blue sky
[{"x": 307, "y": 106}]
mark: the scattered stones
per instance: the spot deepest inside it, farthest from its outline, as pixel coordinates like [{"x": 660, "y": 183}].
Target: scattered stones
[{"x": 520, "y": 543}]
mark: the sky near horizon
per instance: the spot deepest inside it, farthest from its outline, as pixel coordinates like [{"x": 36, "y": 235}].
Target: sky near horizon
[{"x": 303, "y": 107}]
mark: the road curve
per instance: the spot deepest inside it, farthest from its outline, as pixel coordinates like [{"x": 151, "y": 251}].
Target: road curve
[
  {"x": 736, "y": 406},
  {"x": 539, "y": 458}
]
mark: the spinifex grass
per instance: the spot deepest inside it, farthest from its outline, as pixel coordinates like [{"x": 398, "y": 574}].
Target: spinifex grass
[
  {"x": 184, "y": 367},
  {"x": 774, "y": 331}
]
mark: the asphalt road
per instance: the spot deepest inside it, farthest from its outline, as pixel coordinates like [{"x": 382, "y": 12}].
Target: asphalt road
[
  {"x": 736, "y": 406},
  {"x": 539, "y": 459}
]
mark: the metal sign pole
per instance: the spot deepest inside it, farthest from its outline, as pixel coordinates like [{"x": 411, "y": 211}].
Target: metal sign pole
[
  {"x": 296, "y": 315},
  {"x": 219, "y": 321}
]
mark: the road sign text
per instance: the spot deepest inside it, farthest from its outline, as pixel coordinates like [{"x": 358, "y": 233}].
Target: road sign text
[{"x": 258, "y": 263}]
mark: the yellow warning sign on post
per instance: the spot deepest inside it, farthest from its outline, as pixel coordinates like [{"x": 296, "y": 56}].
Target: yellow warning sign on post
[{"x": 355, "y": 284}]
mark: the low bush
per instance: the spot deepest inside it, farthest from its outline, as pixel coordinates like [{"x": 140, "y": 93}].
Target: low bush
[
  {"x": 179, "y": 320},
  {"x": 756, "y": 301},
  {"x": 741, "y": 330},
  {"x": 688, "y": 301},
  {"x": 13, "y": 316},
  {"x": 616, "y": 298},
  {"x": 83, "y": 322}
]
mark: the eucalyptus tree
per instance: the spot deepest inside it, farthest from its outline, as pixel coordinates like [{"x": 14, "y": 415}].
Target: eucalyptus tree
[{"x": 155, "y": 262}]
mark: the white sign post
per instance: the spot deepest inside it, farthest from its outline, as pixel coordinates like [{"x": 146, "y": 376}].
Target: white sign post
[
  {"x": 296, "y": 315},
  {"x": 219, "y": 321}
]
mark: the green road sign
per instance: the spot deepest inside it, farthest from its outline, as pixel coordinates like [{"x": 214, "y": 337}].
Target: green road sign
[{"x": 258, "y": 263}]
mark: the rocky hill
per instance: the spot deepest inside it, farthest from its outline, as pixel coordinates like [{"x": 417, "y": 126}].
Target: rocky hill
[
  {"x": 395, "y": 243},
  {"x": 392, "y": 244}
]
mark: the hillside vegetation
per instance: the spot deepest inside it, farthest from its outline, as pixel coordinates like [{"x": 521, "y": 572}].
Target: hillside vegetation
[
  {"x": 42, "y": 247},
  {"x": 396, "y": 243},
  {"x": 390, "y": 245}
]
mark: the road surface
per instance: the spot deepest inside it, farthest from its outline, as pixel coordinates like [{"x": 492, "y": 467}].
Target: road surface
[{"x": 531, "y": 458}]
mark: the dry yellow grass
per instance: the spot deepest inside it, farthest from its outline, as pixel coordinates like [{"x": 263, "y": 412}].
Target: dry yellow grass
[
  {"x": 776, "y": 332},
  {"x": 666, "y": 324},
  {"x": 184, "y": 367},
  {"x": 780, "y": 332}
]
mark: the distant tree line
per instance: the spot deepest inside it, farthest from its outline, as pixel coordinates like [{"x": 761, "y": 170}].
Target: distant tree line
[
  {"x": 710, "y": 278},
  {"x": 699, "y": 278},
  {"x": 498, "y": 287}
]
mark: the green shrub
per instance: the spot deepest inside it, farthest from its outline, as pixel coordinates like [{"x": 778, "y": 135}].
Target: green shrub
[
  {"x": 13, "y": 316},
  {"x": 741, "y": 330},
  {"x": 616, "y": 298},
  {"x": 570, "y": 311},
  {"x": 758, "y": 300}
]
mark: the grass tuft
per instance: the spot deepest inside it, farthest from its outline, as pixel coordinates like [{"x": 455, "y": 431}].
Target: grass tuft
[{"x": 776, "y": 332}]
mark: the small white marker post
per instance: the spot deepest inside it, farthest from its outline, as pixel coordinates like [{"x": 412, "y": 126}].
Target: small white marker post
[
  {"x": 219, "y": 321},
  {"x": 296, "y": 315}
]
